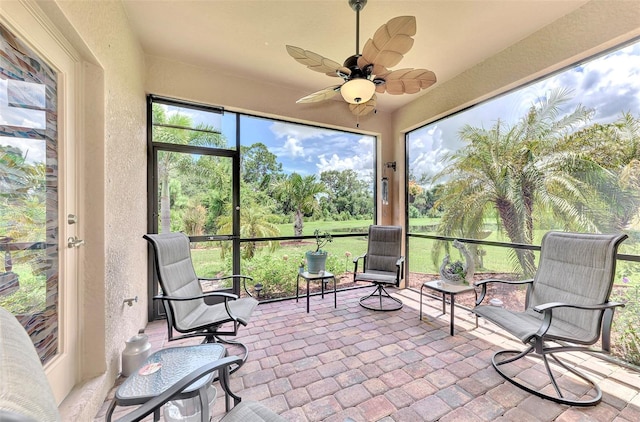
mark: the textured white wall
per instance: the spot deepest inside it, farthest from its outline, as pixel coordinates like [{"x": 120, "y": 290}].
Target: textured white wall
[{"x": 114, "y": 185}]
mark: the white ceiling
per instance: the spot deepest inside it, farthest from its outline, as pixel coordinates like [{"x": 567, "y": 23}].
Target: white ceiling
[{"x": 248, "y": 37}]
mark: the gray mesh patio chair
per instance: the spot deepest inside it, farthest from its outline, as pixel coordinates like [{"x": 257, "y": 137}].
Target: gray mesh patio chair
[
  {"x": 567, "y": 309},
  {"x": 188, "y": 309},
  {"x": 383, "y": 265}
]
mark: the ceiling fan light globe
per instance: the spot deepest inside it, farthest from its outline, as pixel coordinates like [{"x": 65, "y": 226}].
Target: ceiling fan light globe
[{"x": 357, "y": 91}]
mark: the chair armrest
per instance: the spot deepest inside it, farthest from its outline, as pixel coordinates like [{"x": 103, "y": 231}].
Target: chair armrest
[
  {"x": 226, "y": 277},
  {"x": 484, "y": 283},
  {"x": 149, "y": 407},
  {"x": 551, "y": 305},
  {"x": 547, "y": 309},
  {"x": 225, "y": 295},
  {"x": 495, "y": 280},
  {"x": 400, "y": 261},
  {"x": 355, "y": 263}
]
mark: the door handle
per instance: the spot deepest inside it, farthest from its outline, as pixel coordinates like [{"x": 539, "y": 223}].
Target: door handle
[{"x": 74, "y": 242}]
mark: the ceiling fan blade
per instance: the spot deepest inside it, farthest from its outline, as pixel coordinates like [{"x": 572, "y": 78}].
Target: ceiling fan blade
[
  {"x": 406, "y": 81},
  {"x": 314, "y": 61},
  {"x": 364, "y": 108},
  {"x": 323, "y": 94},
  {"x": 390, "y": 42}
]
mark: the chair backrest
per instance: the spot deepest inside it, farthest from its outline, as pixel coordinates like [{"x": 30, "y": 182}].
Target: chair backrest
[
  {"x": 384, "y": 248},
  {"x": 175, "y": 271},
  {"x": 576, "y": 268},
  {"x": 25, "y": 394}
]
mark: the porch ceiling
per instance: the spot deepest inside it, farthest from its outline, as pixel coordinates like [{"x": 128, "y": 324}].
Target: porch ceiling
[{"x": 248, "y": 38}]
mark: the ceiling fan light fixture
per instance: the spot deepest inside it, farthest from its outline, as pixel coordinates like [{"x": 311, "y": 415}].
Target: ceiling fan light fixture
[{"x": 357, "y": 91}]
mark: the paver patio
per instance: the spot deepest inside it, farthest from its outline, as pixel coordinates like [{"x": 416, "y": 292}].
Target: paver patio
[{"x": 349, "y": 362}]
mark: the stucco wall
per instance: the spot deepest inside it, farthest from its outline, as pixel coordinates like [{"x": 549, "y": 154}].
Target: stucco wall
[{"x": 113, "y": 186}]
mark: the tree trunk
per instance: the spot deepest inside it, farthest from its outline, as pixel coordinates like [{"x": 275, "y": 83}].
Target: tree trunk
[
  {"x": 298, "y": 223},
  {"x": 515, "y": 232},
  {"x": 165, "y": 207}
]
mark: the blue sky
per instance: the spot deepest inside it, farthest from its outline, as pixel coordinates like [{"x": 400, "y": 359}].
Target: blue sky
[
  {"x": 311, "y": 150},
  {"x": 609, "y": 84}
]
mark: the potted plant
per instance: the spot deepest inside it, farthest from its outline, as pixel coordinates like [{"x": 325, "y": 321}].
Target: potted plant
[{"x": 316, "y": 260}]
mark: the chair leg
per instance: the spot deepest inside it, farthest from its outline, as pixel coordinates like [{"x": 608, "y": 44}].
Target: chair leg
[
  {"x": 560, "y": 397},
  {"x": 381, "y": 293},
  {"x": 218, "y": 339}
]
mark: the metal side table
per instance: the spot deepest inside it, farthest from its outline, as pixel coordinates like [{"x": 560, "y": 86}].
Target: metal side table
[
  {"x": 311, "y": 276},
  {"x": 447, "y": 289}
]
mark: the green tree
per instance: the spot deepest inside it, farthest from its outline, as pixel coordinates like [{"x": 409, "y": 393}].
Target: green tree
[
  {"x": 514, "y": 168},
  {"x": 22, "y": 196},
  {"x": 258, "y": 165},
  {"x": 254, "y": 223},
  {"x": 616, "y": 147},
  {"x": 176, "y": 128},
  {"x": 347, "y": 194},
  {"x": 300, "y": 194}
]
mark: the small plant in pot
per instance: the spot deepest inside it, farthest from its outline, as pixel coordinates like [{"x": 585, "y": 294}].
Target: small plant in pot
[{"x": 316, "y": 260}]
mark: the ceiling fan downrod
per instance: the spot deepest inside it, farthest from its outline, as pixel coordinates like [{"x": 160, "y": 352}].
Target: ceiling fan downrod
[{"x": 357, "y": 5}]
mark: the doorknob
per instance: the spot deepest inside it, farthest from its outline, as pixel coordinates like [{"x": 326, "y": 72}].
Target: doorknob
[{"x": 74, "y": 242}]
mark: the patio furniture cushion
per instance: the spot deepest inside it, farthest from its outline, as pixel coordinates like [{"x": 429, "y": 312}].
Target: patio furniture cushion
[{"x": 25, "y": 393}]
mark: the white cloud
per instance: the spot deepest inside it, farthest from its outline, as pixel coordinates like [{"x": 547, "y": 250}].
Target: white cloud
[
  {"x": 293, "y": 148},
  {"x": 33, "y": 149}
]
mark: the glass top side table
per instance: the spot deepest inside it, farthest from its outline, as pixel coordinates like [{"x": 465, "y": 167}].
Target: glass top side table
[{"x": 163, "y": 369}]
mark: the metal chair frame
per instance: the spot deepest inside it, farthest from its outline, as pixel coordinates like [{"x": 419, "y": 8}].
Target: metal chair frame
[
  {"x": 380, "y": 278},
  {"x": 211, "y": 330},
  {"x": 545, "y": 343}
]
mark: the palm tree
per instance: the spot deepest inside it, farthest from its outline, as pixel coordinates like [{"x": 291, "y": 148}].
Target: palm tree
[
  {"x": 174, "y": 129},
  {"x": 300, "y": 193},
  {"x": 22, "y": 196},
  {"x": 511, "y": 169},
  {"x": 616, "y": 148},
  {"x": 254, "y": 222}
]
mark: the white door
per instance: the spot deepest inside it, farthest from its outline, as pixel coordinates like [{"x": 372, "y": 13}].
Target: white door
[{"x": 38, "y": 74}]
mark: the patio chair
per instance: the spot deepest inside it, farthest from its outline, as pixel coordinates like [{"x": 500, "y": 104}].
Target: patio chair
[
  {"x": 567, "y": 309},
  {"x": 383, "y": 265},
  {"x": 26, "y": 396},
  {"x": 189, "y": 310}
]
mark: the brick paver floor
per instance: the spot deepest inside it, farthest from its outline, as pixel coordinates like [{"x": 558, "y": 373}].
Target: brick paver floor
[{"x": 350, "y": 362}]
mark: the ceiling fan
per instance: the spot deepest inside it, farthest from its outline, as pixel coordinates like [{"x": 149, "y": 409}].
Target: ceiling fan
[{"x": 367, "y": 73}]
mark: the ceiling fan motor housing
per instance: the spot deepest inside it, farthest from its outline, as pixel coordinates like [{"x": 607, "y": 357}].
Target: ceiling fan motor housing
[{"x": 357, "y": 5}]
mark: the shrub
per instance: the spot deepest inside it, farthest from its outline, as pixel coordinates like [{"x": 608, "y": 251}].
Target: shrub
[{"x": 626, "y": 338}]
